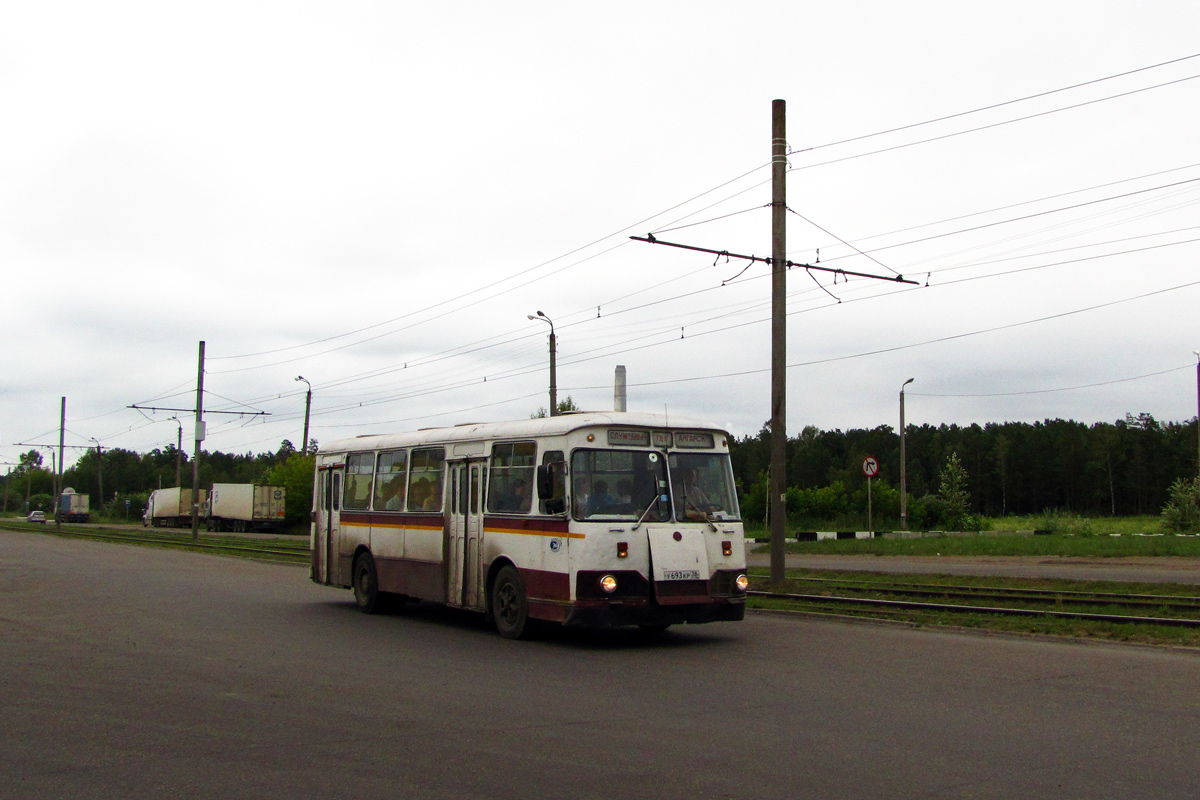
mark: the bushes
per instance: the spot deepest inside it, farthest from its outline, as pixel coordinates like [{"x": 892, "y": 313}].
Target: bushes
[{"x": 1182, "y": 511}]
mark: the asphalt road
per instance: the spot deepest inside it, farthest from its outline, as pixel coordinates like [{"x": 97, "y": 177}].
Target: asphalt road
[{"x": 131, "y": 672}]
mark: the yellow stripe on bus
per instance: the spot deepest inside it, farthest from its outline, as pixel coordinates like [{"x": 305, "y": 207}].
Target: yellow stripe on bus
[{"x": 438, "y": 528}]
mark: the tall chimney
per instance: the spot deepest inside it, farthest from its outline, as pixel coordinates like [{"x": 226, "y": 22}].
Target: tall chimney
[{"x": 620, "y": 399}]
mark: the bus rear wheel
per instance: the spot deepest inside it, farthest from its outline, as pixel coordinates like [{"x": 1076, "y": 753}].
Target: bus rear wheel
[{"x": 510, "y": 606}]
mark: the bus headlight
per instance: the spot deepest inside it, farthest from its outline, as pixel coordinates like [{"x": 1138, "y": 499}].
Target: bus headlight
[
  {"x": 742, "y": 583},
  {"x": 608, "y": 584}
]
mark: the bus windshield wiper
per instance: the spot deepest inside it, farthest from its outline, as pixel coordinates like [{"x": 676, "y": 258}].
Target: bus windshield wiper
[{"x": 645, "y": 513}]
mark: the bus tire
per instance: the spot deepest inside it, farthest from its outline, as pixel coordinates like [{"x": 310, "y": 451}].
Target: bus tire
[
  {"x": 367, "y": 596},
  {"x": 510, "y": 606}
]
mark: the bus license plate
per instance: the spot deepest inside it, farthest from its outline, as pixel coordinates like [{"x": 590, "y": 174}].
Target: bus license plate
[{"x": 681, "y": 575}]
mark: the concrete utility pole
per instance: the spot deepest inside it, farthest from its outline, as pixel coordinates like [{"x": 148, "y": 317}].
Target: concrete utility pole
[
  {"x": 307, "y": 409},
  {"x": 903, "y": 464},
  {"x": 199, "y": 439},
  {"x": 778, "y": 338},
  {"x": 58, "y": 471},
  {"x": 178, "y": 455},
  {"x": 99, "y": 473},
  {"x": 553, "y": 358}
]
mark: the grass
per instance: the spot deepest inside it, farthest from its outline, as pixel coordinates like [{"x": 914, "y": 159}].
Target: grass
[
  {"x": 1139, "y": 633},
  {"x": 1011, "y": 545}
]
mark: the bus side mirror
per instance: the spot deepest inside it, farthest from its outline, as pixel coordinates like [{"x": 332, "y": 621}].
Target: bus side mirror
[{"x": 545, "y": 481}]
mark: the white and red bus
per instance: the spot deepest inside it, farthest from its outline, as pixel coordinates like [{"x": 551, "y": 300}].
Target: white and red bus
[{"x": 583, "y": 519}]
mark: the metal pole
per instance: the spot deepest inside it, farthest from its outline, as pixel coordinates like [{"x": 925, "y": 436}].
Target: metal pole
[
  {"x": 199, "y": 439},
  {"x": 778, "y": 338},
  {"x": 903, "y": 465}
]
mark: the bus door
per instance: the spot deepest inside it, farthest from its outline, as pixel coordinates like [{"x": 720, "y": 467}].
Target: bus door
[
  {"x": 328, "y": 527},
  {"x": 466, "y": 535}
]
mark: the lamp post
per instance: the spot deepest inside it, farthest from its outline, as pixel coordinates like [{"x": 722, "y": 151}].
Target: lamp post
[
  {"x": 307, "y": 409},
  {"x": 553, "y": 385},
  {"x": 903, "y": 466}
]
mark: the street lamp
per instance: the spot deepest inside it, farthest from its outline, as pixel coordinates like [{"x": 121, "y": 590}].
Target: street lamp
[
  {"x": 307, "y": 408},
  {"x": 903, "y": 467},
  {"x": 553, "y": 385}
]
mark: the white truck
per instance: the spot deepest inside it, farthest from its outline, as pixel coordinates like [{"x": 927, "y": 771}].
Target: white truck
[
  {"x": 73, "y": 507},
  {"x": 243, "y": 507},
  {"x": 171, "y": 508}
]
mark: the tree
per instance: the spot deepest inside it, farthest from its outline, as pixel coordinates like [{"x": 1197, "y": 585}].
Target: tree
[
  {"x": 953, "y": 496},
  {"x": 563, "y": 407},
  {"x": 296, "y": 477}
]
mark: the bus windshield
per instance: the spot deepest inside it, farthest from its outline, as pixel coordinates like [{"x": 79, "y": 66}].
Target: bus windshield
[
  {"x": 625, "y": 485},
  {"x": 702, "y": 486},
  {"x": 618, "y": 484}
]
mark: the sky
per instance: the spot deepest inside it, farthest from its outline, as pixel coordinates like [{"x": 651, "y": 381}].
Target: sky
[{"x": 376, "y": 195}]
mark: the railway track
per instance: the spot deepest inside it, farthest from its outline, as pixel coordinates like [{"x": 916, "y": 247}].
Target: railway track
[
  {"x": 885, "y": 598},
  {"x": 181, "y": 541}
]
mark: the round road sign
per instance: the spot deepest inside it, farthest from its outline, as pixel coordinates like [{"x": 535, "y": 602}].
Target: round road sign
[{"x": 870, "y": 467}]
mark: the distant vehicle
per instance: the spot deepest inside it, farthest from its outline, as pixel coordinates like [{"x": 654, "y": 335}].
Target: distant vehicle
[
  {"x": 73, "y": 507},
  {"x": 36, "y": 516},
  {"x": 245, "y": 507},
  {"x": 171, "y": 508}
]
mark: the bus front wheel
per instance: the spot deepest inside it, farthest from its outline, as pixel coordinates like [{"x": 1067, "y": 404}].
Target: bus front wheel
[
  {"x": 510, "y": 606},
  {"x": 366, "y": 585}
]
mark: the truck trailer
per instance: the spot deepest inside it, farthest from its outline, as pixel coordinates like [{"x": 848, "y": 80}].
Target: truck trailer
[
  {"x": 171, "y": 508},
  {"x": 73, "y": 507},
  {"x": 245, "y": 507}
]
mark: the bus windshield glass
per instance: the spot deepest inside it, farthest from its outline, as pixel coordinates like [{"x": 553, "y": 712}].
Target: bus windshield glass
[
  {"x": 618, "y": 484},
  {"x": 702, "y": 486}
]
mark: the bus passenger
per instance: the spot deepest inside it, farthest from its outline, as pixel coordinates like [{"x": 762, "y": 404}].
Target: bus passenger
[
  {"x": 516, "y": 500},
  {"x": 396, "y": 489}
]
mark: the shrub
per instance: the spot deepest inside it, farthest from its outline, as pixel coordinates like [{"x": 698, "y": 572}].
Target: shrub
[{"x": 1182, "y": 511}]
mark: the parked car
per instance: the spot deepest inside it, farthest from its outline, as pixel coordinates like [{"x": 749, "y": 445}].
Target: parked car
[{"x": 36, "y": 516}]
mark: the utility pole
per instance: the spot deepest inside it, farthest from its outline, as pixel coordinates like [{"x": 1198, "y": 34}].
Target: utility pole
[
  {"x": 777, "y": 502},
  {"x": 58, "y": 472},
  {"x": 99, "y": 474},
  {"x": 553, "y": 359},
  {"x": 778, "y": 338},
  {"x": 178, "y": 455},
  {"x": 307, "y": 409},
  {"x": 199, "y": 439},
  {"x": 903, "y": 465}
]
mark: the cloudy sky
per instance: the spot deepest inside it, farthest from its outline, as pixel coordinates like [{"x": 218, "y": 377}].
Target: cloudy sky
[{"x": 375, "y": 195}]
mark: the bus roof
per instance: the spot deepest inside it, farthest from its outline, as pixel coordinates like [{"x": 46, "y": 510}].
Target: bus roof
[{"x": 541, "y": 426}]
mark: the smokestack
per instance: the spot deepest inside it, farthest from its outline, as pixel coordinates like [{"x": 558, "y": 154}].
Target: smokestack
[{"x": 620, "y": 399}]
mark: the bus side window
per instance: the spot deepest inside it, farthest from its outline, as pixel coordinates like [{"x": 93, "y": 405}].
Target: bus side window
[{"x": 425, "y": 480}]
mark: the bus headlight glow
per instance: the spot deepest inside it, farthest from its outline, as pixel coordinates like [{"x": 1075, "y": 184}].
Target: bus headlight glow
[
  {"x": 609, "y": 584},
  {"x": 742, "y": 583}
]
